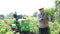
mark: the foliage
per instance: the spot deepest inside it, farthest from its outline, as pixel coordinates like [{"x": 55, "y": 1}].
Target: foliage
[
  {"x": 35, "y": 14},
  {"x": 54, "y": 27},
  {"x": 33, "y": 24},
  {"x": 9, "y": 32},
  {"x": 57, "y": 10},
  {"x": 3, "y": 29},
  {"x": 2, "y": 17},
  {"x": 50, "y": 13}
]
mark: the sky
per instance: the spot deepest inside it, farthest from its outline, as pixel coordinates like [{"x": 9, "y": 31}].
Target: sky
[{"x": 25, "y": 7}]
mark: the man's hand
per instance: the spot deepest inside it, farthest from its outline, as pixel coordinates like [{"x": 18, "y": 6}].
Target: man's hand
[
  {"x": 40, "y": 20},
  {"x": 45, "y": 20}
]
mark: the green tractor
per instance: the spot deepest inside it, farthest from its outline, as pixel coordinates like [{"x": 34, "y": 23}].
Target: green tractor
[
  {"x": 24, "y": 26},
  {"x": 20, "y": 25}
]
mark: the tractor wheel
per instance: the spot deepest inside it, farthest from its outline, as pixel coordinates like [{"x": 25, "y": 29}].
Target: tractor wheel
[{"x": 25, "y": 32}]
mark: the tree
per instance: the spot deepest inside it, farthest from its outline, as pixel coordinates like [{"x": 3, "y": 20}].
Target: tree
[
  {"x": 35, "y": 14},
  {"x": 1, "y": 16},
  {"x": 10, "y": 15},
  {"x": 57, "y": 10}
]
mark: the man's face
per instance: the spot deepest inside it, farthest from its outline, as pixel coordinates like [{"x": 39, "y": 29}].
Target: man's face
[{"x": 41, "y": 11}]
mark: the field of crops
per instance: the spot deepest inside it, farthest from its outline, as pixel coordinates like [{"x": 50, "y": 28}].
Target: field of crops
[{"x": 5, "y": 26}]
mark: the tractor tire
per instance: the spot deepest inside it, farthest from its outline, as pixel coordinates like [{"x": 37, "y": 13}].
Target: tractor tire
[{"x": 25, "y": 32}]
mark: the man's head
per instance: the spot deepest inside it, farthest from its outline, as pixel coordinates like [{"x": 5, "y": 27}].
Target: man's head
[{"x": 41, "y": 10}]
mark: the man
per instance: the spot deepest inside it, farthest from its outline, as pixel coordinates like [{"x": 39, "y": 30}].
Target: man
[{"x": 43, "y": 22}]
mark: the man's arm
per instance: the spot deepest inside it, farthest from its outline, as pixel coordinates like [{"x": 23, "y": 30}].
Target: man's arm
[
  {"x": 39, "y": 18},
  {"x": 47, "y": 18}
]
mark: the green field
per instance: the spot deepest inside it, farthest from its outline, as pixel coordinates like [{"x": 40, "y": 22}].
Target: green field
[{"x": 4, "y": 27}]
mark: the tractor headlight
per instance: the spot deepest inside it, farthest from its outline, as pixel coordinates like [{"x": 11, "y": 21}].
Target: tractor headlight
[{"x": 27, "y": 27}]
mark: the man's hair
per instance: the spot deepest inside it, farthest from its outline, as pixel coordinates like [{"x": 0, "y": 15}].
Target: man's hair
[{"x": 41, "y": 8}]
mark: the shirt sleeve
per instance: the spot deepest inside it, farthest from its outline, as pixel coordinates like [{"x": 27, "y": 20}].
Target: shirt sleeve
[{"x": 39, "y": 18}]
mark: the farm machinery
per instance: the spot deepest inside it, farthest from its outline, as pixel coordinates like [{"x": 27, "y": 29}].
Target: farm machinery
[{"x": 21, "y": 25}]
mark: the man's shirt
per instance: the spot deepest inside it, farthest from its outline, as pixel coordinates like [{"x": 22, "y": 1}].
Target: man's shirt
[{"x": 42, "y": 23}]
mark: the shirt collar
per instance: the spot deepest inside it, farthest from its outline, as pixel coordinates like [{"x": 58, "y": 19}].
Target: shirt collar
[{"x": 42, "y": 14}]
